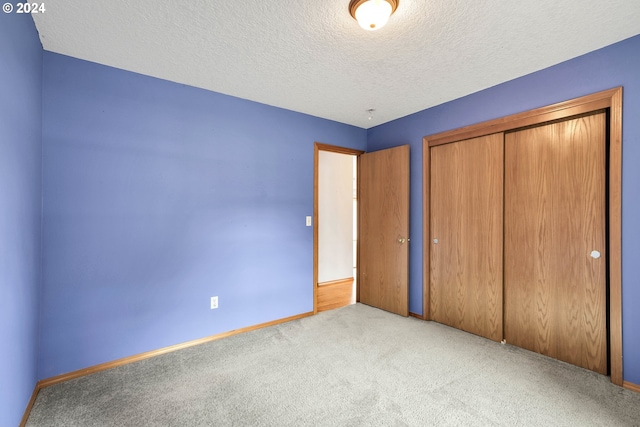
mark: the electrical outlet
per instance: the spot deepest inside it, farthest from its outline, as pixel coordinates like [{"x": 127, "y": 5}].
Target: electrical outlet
[{"x": 214, "y": 302}]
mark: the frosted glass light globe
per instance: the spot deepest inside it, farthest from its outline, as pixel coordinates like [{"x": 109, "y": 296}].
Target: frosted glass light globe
[{"x": 373, "y": 14}]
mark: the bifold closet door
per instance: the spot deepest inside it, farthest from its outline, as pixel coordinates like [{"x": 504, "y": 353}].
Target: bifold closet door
[
  {"x": 554, "y": 248},
  {"x": 466, "y": 235}
]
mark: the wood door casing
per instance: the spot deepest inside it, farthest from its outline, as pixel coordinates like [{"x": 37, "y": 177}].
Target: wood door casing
[
  {"x": 466, "y": 219},
  {"x": 318, "y": 147},
  {"x": 383, "y": 220},
  {"x": 555, "y": 292}
]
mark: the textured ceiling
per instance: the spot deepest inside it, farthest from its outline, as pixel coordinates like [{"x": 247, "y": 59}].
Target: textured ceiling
[{"x": 311, "y": 56}]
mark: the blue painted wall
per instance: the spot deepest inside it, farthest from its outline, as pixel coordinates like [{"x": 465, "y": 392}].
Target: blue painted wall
[
  {"x": 158, "y": 196},
  {"x": 615, "y": 65},
  {"x": 20, "y": 207}
]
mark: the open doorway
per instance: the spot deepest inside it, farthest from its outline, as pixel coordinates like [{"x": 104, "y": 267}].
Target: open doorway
[{"x": 335, "y": 227}]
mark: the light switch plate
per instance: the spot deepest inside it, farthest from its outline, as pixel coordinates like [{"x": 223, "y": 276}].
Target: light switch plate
[{"x": 308, "y": 221}]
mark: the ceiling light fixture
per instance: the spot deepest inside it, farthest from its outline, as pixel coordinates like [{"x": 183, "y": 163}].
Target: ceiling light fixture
[{"x": 372, "y": 14}]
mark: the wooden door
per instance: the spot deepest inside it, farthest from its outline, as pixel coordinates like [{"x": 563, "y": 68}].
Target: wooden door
[
  {"x": 384, "y": 229},
  {"x": 466, "y": 235},
  {"x": 555, "y": 286}
]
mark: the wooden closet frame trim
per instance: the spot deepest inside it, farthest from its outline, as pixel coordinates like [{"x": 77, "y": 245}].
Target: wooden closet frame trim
[
  {"x": 609, "y": 99},
  {"x": 318, "y": 146}
]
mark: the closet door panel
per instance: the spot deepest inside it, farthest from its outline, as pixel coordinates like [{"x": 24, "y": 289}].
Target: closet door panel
[
  {"x": 466, "y": 235},
  {"x": 555, "y": 285}
]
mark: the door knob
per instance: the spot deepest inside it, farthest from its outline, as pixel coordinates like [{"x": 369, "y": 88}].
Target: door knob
[
  {"x": 401, "y": 240},
  {"x": 435, "y": 241},
  {"x": 595, "y": 254}
]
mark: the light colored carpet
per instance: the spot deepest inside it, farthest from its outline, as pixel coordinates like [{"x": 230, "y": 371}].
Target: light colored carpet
[{"x": 348, "y": 367}]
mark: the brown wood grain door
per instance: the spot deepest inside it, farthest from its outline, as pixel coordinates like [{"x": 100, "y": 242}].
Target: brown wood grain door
[
  {"x": 466, "y": 235},
  {"x": 384, "y": 229},
  {"x": 555, "y": 286}
]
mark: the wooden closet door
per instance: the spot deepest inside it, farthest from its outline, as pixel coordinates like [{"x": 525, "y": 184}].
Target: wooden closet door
[
  {"x": 466, "y": 235},
  {"x": 555, "y": 287}
]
